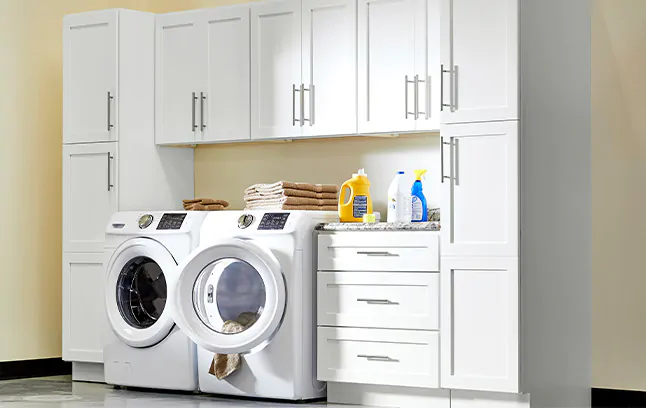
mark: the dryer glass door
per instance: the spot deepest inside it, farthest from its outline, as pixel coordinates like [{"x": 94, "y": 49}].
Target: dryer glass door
[
  {"x": 231, "y": 297},
  {"x": 139, "y": 275}
]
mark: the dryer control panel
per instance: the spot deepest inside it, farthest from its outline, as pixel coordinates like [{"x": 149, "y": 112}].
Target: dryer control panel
[{"x": 273, "y": 221}]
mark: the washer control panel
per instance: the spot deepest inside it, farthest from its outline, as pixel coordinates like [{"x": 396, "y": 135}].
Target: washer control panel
[
  {"x": 171, "y": 221},
  {"x": 273, "y": 221}
]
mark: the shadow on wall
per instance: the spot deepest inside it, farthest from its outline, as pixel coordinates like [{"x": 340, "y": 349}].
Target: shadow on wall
[{"x": 224, "y": 171}]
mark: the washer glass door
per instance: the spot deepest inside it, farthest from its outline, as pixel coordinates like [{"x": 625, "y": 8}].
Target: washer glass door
[
  {"x": 139, "y": 276},
  {"x": 231, "y": 297}
]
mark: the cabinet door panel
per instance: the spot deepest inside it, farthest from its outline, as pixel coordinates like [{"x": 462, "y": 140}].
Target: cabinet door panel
[
  {"x": 330, "y": 67},
  {"x": 84, "y": 318},
  {"x": 89, "y": 195},
  {"x": 480, "y": 196},
  {"x": 180, "y": 65},
  {"x": 227, "y": 101},
  {"x": 89, "y": 73},
  {"x": 480, "y": 47},
  {"x": 275, "y": 69},
  {"x": 427, "y": 64},
  {"x": 479, "y": 324},
  {"x": 386, "y": 44}
]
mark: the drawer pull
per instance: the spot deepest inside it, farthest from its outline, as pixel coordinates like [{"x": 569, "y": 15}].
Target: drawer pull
[
  {"x": 378, "y": 301},
  {"x": 378, "y": 358},
  {"x": 376, "y": 253}
]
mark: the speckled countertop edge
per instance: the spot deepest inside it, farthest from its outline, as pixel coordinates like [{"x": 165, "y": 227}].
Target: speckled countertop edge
[{"x": 381, "y": 226}]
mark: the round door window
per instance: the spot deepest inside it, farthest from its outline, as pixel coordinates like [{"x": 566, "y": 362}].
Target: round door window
[
  {"x": 229, "y": 296},
  {"x": 141, "y": 292}
]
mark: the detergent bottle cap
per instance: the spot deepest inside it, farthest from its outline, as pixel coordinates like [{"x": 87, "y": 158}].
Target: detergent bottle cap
[
  {"x": 360, "y": 173},
  {"x": 419, "y": 174}
]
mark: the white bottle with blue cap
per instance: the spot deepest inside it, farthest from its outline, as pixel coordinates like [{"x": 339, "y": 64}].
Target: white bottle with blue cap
[{"x": 400, "y": 207}]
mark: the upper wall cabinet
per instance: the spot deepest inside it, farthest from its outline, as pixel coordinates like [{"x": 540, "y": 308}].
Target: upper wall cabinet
[
  {"x": 276, "y": 69},
  {"x": 480, "y": 60},
  {"x": 308, "y": 93},
  {"x": 398, "y": 65},
  {"x": 90, "y": 77},
  {"x": 202, "y": 76}
]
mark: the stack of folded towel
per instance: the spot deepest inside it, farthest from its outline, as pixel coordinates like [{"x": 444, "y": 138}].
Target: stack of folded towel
[
  {"x": 205, "y": 204},
  {"x": 287, "y": 195}
]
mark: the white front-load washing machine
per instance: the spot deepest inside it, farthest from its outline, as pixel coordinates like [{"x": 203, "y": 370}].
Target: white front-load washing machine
[
  {"x": 143, "y": 347},
  {"x": 257, "y": 264}
]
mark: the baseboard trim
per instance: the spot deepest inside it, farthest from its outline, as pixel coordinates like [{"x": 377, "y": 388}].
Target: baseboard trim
[
  {"x": 10, "y": 370},
  {"x": 607, "y": 398}
]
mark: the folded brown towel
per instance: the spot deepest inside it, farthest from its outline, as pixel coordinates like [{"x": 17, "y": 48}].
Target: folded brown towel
[
  {"x": 202, "y": 207},
  {"x": 205, "y": 204},
  {"x": 293, "y": 207},
  {"x": 280, "y": 185},
  {"x": 255, "y": 201}
]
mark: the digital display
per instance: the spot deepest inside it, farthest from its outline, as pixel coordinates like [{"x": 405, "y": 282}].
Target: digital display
[
  {"x": 273, "y": 221},
  {"x": 171, "y": 221}
]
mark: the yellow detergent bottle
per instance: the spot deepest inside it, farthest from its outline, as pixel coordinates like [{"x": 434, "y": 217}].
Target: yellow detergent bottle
[{"x": 352, "y": 208}]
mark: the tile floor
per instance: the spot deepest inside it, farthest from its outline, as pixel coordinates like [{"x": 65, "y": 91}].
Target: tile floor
[{"x": 60, "y": 392}]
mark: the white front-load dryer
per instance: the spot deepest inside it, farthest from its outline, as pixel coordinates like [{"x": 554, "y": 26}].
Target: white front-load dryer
[
  {"x": 143, "y": 347},
  {"x": 258, "y": 264}
]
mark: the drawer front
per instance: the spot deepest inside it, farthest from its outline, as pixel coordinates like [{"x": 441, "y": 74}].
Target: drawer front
[
  {"x": 379, "y": 299},
  {"x": 374, "y": 356},
  {"x": 379, "y": 251}
]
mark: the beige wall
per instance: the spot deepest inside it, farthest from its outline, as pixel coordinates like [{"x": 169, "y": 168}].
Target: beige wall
[{"x": 619, "y": 193}]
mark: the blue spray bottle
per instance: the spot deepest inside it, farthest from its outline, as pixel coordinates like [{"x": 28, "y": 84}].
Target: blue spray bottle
[{"x": 420, "y": 213}]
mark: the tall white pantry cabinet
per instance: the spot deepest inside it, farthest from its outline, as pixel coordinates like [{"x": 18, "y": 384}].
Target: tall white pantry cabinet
[{"x": 110, "y": 162}]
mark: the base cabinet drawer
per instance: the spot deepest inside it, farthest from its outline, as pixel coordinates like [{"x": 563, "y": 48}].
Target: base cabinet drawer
[
  {"x": 392, "y": 300},
  {"x": 379, "y": 251},
  {"x": 374, "y": 356}
]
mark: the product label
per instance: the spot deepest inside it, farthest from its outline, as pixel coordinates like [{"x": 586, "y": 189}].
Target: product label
[
  {"x": 417, "y": 209},
  {"x": 392, "y": 203},
  {"x": 359, "y": 206}
]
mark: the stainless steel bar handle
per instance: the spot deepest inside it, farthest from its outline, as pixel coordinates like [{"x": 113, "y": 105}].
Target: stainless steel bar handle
[
  {"x": 416, "y": 96},
  {"x": 202, "y": 123},
  {"x": 302, "y": 100},
  {"x": 110, "y": 185},
  {"x": 193, "y": 123},
  {"x": 454, "y": 89},
  {"x": 417, "y": 111},
  {"x": 427, "y": 112},
  {"x": 442, "y": 143},
  {"x": 378, "y": 301},
  {"x": 442, "y": 104},
  {"x": 311, "y": 102},
  {"x": 110, "y": 98},
  {"x": 377, "y": 358},
  {"x": 376, "y": 253},
  {"x": 294, "y": 90},
  {"x": 406, "y": 96}
]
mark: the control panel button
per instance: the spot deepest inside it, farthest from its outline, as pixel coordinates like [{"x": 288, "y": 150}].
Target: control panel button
[
  {"x": 245, "y": 220},
  {"x": 145, "y": 221}
]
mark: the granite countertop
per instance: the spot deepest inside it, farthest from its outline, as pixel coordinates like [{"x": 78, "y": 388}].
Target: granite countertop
[{"x": 379, "y": 226}]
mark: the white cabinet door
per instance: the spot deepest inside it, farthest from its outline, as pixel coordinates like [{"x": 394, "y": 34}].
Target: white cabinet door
[
  {"x": 386, "y": 44},
  {"x": 480, "y": 44},
  {"x": 427, "y": 65},
  {"x": 480, "y": 189},
  {"x": 89, "y": 194},
  {"x": 84, "y": 318},
  {"x": 90, "y": 77},
  {"x": 330, "y": 67},
  {"x": 276, "y": 69},
  {"x": 479, "y": 324},
  {"x": 225, "y": 101},
  {"x": 180, "y": 64}
]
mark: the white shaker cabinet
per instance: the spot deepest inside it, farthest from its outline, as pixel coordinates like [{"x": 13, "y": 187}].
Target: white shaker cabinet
[
  {"x": 84, "y": 318},
  {"x": 398, "y": 71},
  {"x": 180, "y": 60},
  {"x": 329, "y": 61},
  {"x": 90, "y": 77},
  {"x": 276, "y": 70},
  {"x": 480, "y": 324},
  {"x": 480, "y": 189},
  {"x": 89, "y": 194},
  {"x": 480, "y": 44},
  {"x": 224, "y": 97}
]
